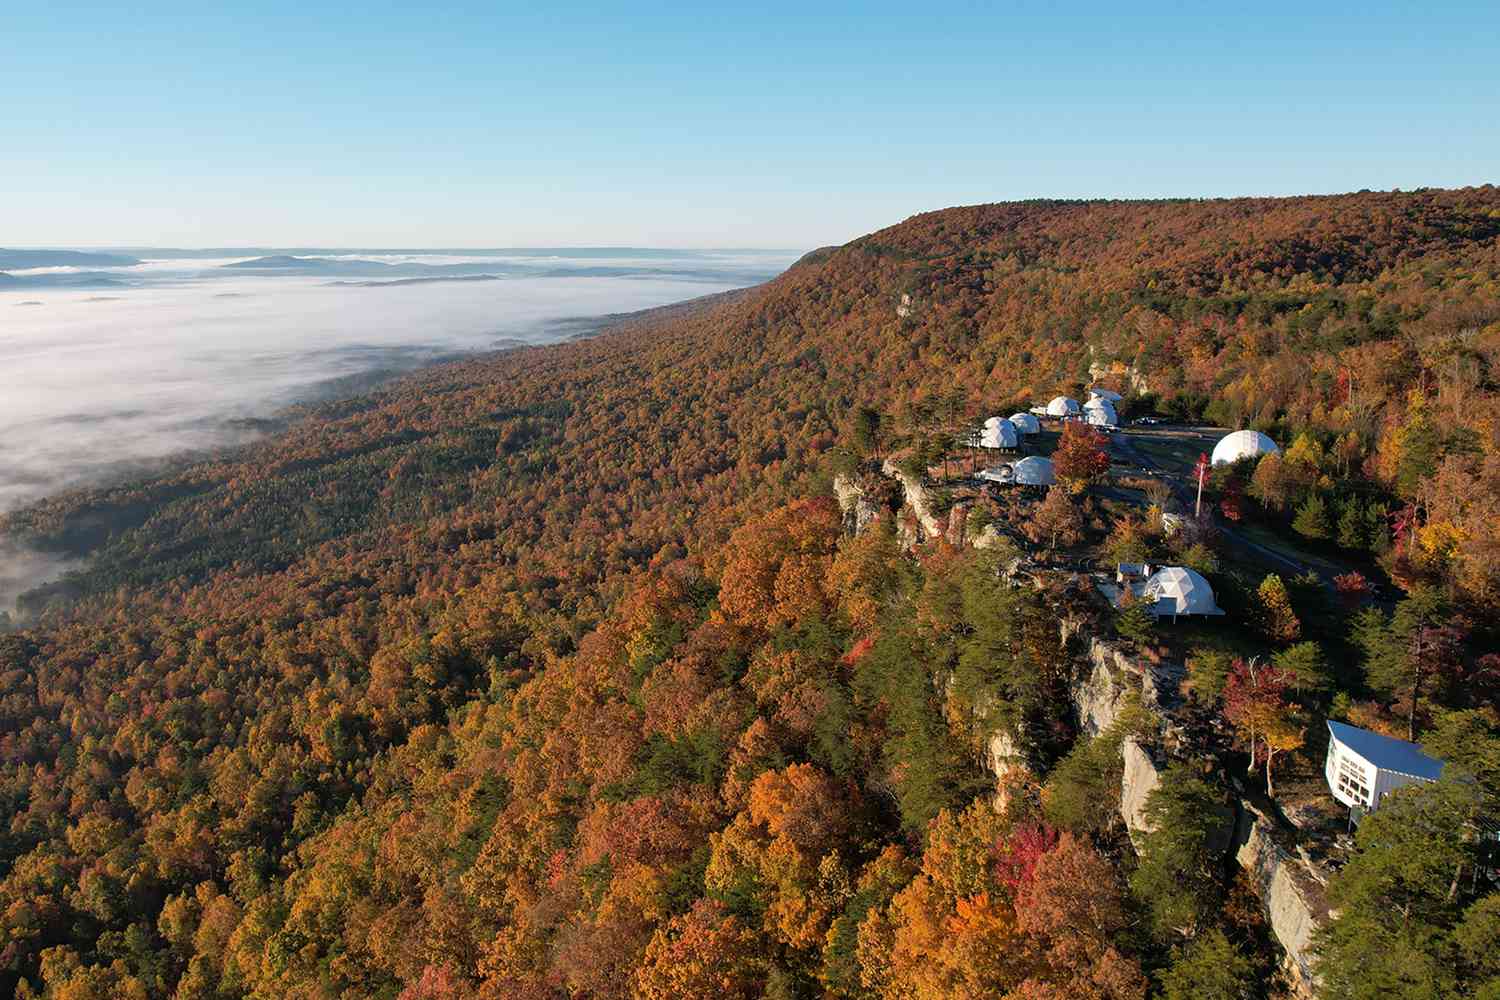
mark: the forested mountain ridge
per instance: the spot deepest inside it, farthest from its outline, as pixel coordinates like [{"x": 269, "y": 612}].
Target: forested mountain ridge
[{"x": 517, "y": 677}]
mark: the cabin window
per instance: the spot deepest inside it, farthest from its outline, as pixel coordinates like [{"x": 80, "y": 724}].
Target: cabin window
[{"x": 1352, "y": 781}]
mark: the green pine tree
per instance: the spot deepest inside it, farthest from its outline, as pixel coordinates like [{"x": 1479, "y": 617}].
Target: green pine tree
[
  {"x": 1135, "y": 622},
  {"x": 1208, "y": 968},
  {"x": 1305, "y": 660},
  {"x": 1178, "y": 878},
  {"x": 1400, "y": 897},
  {"x": 1377, "y": 527},
  {"x": 1351, "y": 527},
  {"x": 1311, "y": 521}
]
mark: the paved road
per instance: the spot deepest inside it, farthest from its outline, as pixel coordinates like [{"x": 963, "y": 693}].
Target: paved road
[{"x": 1185, "y": 492}]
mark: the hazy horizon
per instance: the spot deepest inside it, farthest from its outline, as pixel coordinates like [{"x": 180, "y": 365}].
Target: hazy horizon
[{"x": 145, "y": 361}]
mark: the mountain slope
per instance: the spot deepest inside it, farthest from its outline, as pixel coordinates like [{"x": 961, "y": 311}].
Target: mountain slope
[{"x": 332, "y": 715}]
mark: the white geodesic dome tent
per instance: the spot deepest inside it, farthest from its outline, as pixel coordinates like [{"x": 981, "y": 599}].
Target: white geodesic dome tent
[
  {"x": 1100, "y": 412},
  {"x": 998, "y": 433},
  {"x": 1242, "y": 444},
  {"x": 1109, "y": 395},
  {"x": 1177, "y": 590},
  {"x": 1026, "y": 423},
  {"x": 1062, "y": 406},
  {"x": 1034, "y": 471}
]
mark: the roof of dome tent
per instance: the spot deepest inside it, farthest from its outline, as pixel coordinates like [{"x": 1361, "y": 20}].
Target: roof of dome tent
[
  {"x": 1178, "y": 590},
  {"x": 1242, "y": 444},
  {"x": 1062, "y": 406},
  {"x": 998, "y": 433},
  {"x": 1106, "y": 394},
  {"x": 1026, "y": 423},
  {"x": 1101, "y": 412},
  {"x": 1034, "y": 471}
]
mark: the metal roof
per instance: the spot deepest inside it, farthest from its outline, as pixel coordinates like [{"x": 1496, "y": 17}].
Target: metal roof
[{"x": 1386, "y": 752}]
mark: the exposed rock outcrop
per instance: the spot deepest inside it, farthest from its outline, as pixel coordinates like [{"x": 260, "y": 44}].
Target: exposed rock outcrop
[
  {"x": 1128, "y": 375},
  {"x": 1290, "y": 887},
  {"x": 855, "y": 504},
  {"x": 917, "y": 499},
  {"x": 1140, "y": 778},
  {"x": 1111, "y": 675}
]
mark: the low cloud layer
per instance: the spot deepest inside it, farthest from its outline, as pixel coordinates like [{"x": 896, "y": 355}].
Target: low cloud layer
[{"x": 94, "y": 386}]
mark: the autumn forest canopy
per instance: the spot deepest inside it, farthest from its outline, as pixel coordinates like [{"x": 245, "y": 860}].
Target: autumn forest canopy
[{"x": 561, "y": 673}]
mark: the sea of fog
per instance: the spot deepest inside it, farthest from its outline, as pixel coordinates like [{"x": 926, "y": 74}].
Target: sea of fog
[{"x": 107, "y": 370}]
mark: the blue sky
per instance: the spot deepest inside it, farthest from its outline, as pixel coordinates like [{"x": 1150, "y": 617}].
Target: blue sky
[{"x": 786, "y": 125}]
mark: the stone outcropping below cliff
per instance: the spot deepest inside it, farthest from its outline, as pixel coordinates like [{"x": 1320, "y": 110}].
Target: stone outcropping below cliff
[{"x": 1290, "y": 887}]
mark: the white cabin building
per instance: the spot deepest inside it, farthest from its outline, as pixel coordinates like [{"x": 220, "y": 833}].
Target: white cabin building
[{"x": 1363, "y": 767}]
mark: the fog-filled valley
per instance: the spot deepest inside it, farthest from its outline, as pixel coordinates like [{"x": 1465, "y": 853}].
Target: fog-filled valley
[{"x": 109, "y": 364}]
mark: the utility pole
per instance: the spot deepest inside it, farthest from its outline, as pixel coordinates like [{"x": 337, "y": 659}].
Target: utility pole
[{"x": 1202, "y": 471}]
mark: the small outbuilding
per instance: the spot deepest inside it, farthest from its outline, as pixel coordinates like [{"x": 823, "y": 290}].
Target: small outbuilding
[
  {"x": 1034, "y": 471},
  {"x": 1002, "y": 474},
  {"x": 1241, "y": 445},
  {"x": 998, "y": 432},
  {"x": 1026, "y": 423},
  {"x": 1364, "y": 767},
  {"x": 1063, "y": 406}
]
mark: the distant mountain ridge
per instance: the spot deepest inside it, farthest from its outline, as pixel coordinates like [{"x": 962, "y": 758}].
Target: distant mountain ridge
[
  {"x": 18, "y": 260},
  {"x": 75, "y": 279}
]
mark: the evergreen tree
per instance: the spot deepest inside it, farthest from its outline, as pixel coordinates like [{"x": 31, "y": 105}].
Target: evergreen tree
[
  {"x": 1307, "y": 666},
  {"x": 1311, "y": 521},
  {"x": 1208, "y": 669},
  {"x": 1418, "y": 651},
  {"x": 1209, "y": 967},
  {"x": 867, "y": 430},
  {"x": 1134, "y": 621},
  {"x": 1351, "y": 525},
  {"x": 1082, "y": 794},
  {"x": 1377, "y": 527},
  {"x": 1178, "y": 877},
  {"x": 1400, "y": 897}
]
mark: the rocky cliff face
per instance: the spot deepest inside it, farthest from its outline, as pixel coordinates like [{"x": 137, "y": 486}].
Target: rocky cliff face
[
  {"x": 1290, "y": 886},
  {"x": 917, "y": 500},
  {"x": 856, "y": 505}
]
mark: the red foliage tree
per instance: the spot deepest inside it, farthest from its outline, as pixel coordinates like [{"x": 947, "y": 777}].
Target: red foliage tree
[
  {"x": 1082, "y": 455},
  {"x": 1255, "y": 703}
]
